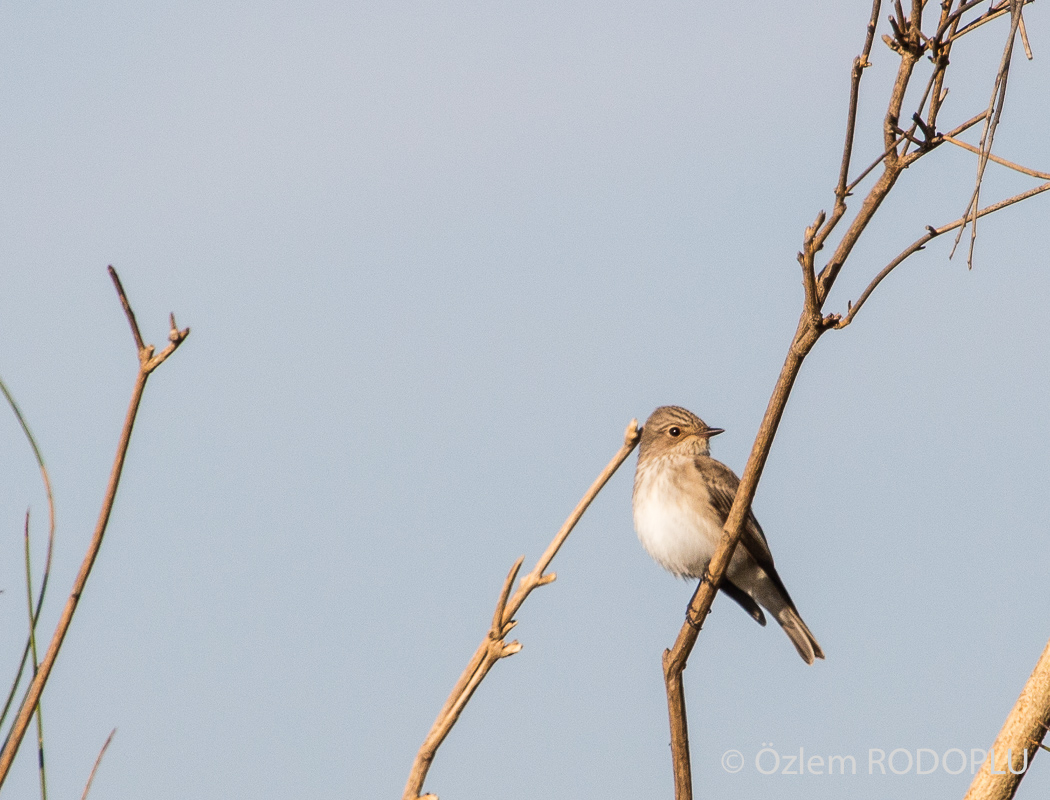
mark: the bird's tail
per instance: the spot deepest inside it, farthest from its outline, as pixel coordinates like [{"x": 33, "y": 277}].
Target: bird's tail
[{"x": 801, "y": 636}]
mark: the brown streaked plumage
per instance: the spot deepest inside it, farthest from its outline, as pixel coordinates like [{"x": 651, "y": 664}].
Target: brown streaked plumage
[{"x": 681, "y": 500}]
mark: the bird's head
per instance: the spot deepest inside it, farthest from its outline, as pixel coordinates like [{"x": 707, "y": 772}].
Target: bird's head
[{"x": 674, "y": 430}]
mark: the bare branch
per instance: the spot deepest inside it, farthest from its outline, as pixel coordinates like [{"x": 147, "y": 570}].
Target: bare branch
[
  {"x": 810, "y": 246},
  {"x": 909, "y": 49},
  {"x": 536, "y": 577},
  {"x": 149, "y": 361},
  {"x": 920, "y": 243},
  {"x": 127, "y": 308},
  {"x": 36, "y": 662},
  {"x": 860, "y": 63},
  {"x": 146, "y": 366},
  {"x": 991, "y": 122},
  {"x": 675, "y": 659},
  {"x": 955, "y": 17},
  {"x": 930, "y": 92},
  {"x": 939, "y": 54},
  {"x": 1024, "y": 39},
  {"x": 910, "y": 43},
  {"x": 996, "y": 11},
  {"x": 493, "y": 648},
  {"x": 1025, "y": 726},
  {"x": 498, "y": 625},
  {"x": 967, "y": 125},
  {"x": 842, "y": 191},
  {"x": 867, "y": 170},
  {"x": 94, "y": 769},
  {"x": 967, "y": 146}
]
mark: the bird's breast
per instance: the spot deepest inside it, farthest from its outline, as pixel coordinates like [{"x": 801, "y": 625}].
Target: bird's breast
[{"x": 673, "y": 516}]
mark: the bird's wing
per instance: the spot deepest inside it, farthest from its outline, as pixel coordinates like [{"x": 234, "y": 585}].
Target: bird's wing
[{"x": 722, "y": 484}]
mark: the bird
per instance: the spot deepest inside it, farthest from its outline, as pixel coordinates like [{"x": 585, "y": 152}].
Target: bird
[{"x": 681, "y": 501}]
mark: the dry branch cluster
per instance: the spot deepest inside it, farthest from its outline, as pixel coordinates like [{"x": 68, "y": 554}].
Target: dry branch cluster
[{"x": 922, "y": 31}]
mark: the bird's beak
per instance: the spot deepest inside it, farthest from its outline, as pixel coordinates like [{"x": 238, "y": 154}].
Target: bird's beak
[{"x": 710, "y": 432}]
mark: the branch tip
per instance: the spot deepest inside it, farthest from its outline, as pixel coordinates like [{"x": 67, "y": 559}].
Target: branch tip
[
  {"x": 811, "y": 231},
  {"x": 492, "y": 648},
  {"x": 498, "y": 625},
  {"x": 632, "y": 434},
  {"x": 127, "y": 308},
  {"x": 510, "y": 649},
  {"x": 1027, "y": 52}
]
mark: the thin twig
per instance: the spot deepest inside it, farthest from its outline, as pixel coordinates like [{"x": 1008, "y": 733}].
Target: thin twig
[
  {"x": 94, "y": 769},
  {"x": 536, "y": 577},
  {"x": 499, "y": 628},
  {"x": 493, "y": 648},
  {"x": 967, "y": 146},
  {"x": 147, "y": 363},
  {"x": 806, "y": 259},
  {"x": 956, "y": 17},
  {"x": 993, "y": 13},
  {"x": 940, "y": 52},
  {"x": 860, "y": 63},
  {"x": 1024, "y": 39},
  {"x": 966, "y": 125},
  {"x": 935, "y": 79},
  {"x": 920, "y": 243},
  {"x": 50, "y": 542},
  {"x": 892, "y": 170},
  {"x": 991, "y": 122},
  {"x": 867, "y": 170},
  {"x": 36, "y": 662},
  {"x": 127, "y": 308},
  {"x": 148, "y": 360}
]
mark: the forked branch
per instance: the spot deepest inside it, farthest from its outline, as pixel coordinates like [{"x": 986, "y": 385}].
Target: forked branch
[
  {"x": 98, "y": 761},
  {"x": 493, "y": 647},
  {"x": 148, "y": 361}
]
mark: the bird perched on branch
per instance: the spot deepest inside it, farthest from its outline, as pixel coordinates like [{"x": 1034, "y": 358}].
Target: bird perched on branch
[{"x": 682, "y": 498}]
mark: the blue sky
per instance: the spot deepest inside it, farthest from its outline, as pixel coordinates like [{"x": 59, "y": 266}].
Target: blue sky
[{"x": 435, "y": 257}]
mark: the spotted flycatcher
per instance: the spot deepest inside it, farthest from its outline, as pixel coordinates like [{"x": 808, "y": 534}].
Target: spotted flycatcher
[{"x": 682, "y": 498}]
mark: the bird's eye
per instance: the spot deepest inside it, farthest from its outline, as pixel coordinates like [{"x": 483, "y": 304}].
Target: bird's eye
[{"x": 675, "y": 431}]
